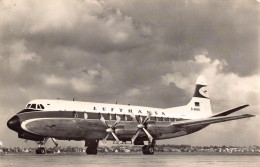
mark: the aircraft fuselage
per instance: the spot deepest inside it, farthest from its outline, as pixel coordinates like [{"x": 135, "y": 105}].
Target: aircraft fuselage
[{"x": 85, "y": 124}]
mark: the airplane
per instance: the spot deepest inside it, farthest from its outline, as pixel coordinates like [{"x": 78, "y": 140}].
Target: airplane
[{"x": 44, "y": 119}]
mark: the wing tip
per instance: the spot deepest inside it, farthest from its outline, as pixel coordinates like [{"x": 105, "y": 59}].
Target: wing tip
[{"x": 249, "y": 115}]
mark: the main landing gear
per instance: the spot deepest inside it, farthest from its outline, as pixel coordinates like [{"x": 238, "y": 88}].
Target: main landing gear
[
  {"x": 149, "y": 149},
  {"x": 40, "y": 150},
  {"x": 91, "y": 146}
]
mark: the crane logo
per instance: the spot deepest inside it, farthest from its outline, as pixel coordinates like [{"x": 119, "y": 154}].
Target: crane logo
[{"x": 204, "y": 92}]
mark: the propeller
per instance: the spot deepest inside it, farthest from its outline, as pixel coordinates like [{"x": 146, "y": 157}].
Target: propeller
[
  {"x": 110, "y": 129},
  {"x": 141, "y": 126}
]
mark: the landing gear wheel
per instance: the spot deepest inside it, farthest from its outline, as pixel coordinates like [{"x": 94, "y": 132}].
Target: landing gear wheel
[
  {"x": 144, "y": 148},
  {"x": 148, "y": 150},
  {"x": 91, "y": 150},
  {"x": 40, "y": 150}
]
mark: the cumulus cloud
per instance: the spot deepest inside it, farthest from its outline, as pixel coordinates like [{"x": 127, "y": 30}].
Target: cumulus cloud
[
  {"x": 180, "y": 81},
  {"x": 84, "y": 82},
  {"x": 223, "y": 86},
  {"x": 18, "y": 56},
  {"x": 202, "y": 59},
  {"x": 133, "y": 92},
  {"x": 80, "y": 24}
]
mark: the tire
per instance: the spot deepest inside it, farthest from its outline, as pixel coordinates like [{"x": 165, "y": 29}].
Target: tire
[
  {"x": 92, "y": 151},
  {"x": 40, "y": 150},
  {"x": 148, "y": 150},
  {"x": 144, "y": 148}
]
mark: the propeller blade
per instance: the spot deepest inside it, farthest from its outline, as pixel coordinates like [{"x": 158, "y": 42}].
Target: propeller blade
[
  {"x": 117, "y": 140},
  {"x": 148, "y": 135},
  {"x": 135, "y": 136},
  {"x": 106, "y": 137},
  {"x": 141, "y": 119},
  {"x": 102, "y": 119},
  {"x": 148, "y": 117},
  {"x": 117, "y": 121},
  {"x": 134, "y": 118}
]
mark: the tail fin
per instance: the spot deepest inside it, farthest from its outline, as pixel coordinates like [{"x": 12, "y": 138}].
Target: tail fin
[{"x": 200, "y": 102}]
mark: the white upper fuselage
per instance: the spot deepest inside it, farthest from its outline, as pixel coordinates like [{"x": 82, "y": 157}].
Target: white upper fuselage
[{"x": 63, "y": 105}]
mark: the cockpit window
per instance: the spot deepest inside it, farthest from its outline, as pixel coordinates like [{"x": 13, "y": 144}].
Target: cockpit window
[
  {"x": 42, "y": 106},
  {"x": 33, "y": 106},
  {"x": 39, "y": 107},
  {"x": 28, "y": 105}
]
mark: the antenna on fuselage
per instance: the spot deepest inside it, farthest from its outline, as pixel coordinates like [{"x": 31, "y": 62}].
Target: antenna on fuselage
[{"x": 73, "y": 99}]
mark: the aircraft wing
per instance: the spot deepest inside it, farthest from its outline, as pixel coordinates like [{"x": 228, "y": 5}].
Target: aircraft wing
[
  {"x": 210, "y": 120},
  {"x": 227, "y": 112}
]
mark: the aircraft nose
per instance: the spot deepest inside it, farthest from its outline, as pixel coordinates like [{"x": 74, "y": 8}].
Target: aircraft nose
[{"x": 14, "y": 123}]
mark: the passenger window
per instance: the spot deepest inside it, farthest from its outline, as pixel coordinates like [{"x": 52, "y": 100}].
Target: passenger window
[
  {"x": 38, "y": 106},
  {"x": 33, "y": 106},
  {"x": 160, "y": 119},
  {"x": 167, "y": 119},
  {"x": 75, "y": 115},
  {"x": 124, "y": 117}
]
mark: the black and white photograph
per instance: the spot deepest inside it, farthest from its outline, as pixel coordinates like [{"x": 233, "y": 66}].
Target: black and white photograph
[{"x": 129, "y": 83}]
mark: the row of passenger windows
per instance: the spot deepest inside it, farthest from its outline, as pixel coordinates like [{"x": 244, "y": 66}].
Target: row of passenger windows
[
  {"x": 35, "y": 106},
  {"x": 124, "y": 117}
]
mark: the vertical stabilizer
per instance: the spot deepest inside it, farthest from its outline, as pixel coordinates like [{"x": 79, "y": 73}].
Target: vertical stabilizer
[{"x": 199, "y": 105}]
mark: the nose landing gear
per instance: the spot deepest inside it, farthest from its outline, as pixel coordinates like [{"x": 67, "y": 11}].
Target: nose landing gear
[{"x": 40, "y": 149}]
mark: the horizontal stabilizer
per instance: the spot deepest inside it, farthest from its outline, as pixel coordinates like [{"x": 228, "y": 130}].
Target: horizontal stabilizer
[
  {"x": 212, "y": 120},
  {"x": 225, "y": 113}
]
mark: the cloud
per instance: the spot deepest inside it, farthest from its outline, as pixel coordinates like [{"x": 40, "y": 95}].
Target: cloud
[
  {"x": 133, "y": 92},
  {"x": 223, "y": 86},
  {"x": 18, "y": 55},
  {"x": 89, "y": 25},
  {"x": 180, "y": 81},
  {"x": 84, "y": 82},
  {"x": 202, "y": 59}
]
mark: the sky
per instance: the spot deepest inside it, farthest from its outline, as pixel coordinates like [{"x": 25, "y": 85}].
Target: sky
[{"x": 137, "y": 52}]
